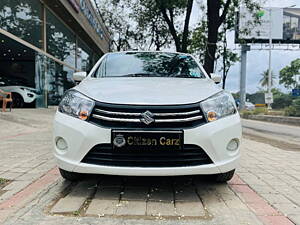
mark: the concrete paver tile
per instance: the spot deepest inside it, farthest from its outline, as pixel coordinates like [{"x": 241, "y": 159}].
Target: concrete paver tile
[
  {"x": 262, "y": 209},
  {"x": 137, "y": 194},
  {"x": 288, "y": 208},
  {"x": 161, "y": 195},
  {"x": 75, "y": 199},
  {"x": 186, "y": 194},
  {"x": 245, "y": 217},
  {"x": 275, "y": 220},
  {"x": 29, "y": 176},
  {"x": 160, "y": 209},
  {"x": 20, "y": 169},
  {"x": 11, "y": 175},
  {"x": 17, "y": 185},
  {"x": 108, "y": 193},
  {"x": 194, "y": 209},
  {"x": 102, "y": 207},
  {"x": 275, "y": 198},
  {"x": 131, "y": 208},
  {"x": 264, "y": 189},
  {"x": 295, "y": 218}
]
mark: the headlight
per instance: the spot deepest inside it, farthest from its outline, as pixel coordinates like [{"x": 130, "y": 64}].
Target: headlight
[
  {"x": 218, "y": 106},
  {"x": 77, "y": 105}
]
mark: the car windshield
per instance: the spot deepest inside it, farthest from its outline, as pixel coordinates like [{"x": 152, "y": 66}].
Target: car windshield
[{"x": 148, "y": 64}]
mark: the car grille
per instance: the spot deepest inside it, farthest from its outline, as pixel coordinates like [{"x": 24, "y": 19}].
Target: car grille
[
  {"x": 129, "y": 116},
  {"x": 104, "y": 154}
]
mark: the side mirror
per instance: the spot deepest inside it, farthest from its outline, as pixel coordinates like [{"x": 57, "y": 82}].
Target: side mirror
[
  {"x": 216, "y": 78},
  {"x": 79, "y": 76}
]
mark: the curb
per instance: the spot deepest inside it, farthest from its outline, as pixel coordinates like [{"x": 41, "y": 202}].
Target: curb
[
  {"x": 288, "y": 120},
  {"x": 261, "y": 208}
]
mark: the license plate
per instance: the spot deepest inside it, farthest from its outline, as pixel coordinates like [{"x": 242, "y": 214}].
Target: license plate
[{"x": 144, "y": 140}]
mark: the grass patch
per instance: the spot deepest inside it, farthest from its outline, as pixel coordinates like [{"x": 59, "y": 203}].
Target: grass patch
[
  {"x": 3, "y": 182},
  {"x": 261, "y": 111}
]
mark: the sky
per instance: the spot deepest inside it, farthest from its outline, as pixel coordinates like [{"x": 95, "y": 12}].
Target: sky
[{"x": 257, "y": 60}]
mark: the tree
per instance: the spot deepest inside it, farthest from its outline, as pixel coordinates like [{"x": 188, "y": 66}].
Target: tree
[
  {"x": 115, "y": 16},
  {"x": 168, "y": 10},
  {"x": 281, "y": 100},
  {"x": 205, "y": 33},
  {"x": 150, "y": 24},
  {"x": 288, "y": 73},
  {"x": 264, "y": 81},
  {"x": 221, "y": 12}
]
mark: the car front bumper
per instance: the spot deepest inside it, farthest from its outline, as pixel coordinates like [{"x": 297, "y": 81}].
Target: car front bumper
[{"x": 82, "y": 136}]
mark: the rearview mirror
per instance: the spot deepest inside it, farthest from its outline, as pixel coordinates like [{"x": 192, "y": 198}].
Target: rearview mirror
[
  {"x": 79, "y": 76},
  {"x": 216, "y": 78}
]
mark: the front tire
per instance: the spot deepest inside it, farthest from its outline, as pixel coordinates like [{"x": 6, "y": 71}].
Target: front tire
[
  {"x": 224, "y": 177},
  {"x": 18, "y": 101},
  {"x": 71, "y": 176}
]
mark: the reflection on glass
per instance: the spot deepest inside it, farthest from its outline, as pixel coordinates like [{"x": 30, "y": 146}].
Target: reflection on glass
[
  {"x": 84, "y": 57},
  {"x": 52, "y": 80},
  {"x": 149, "y": 64},
  {"x": 291, "y": 24},
  {"x": 60, "y": 40},
  {"x": 23, "y": 19}
]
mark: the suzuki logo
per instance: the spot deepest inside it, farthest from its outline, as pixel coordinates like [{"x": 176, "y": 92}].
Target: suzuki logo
[{"x": 147, "y": 117}]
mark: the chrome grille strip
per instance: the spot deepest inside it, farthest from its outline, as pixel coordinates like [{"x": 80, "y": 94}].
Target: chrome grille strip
[
  {"x": 116, "y": 119},
  {"x": 138, "y": 121},
  {"x": 179, "y": 120},
  {"x": 117, "y": 113},
  {"x": 138, "y": 114}
]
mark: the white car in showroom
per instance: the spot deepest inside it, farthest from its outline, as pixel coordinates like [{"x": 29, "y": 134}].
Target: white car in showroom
[
  {"x": 21, "y": 94},
  {"x": 147, "y": 114}
]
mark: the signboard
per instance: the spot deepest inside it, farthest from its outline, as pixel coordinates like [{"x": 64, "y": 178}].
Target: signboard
[
  {"x": 74, "y": 5},
  {"x": 94, "y": 22},
  {"x": 296, "y": 92},
  {"x": 268, "y": 98},
  {"x": 285, "y": 26}
]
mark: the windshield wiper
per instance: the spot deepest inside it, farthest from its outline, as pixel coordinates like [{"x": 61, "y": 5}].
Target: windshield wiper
[
  {"x": 140, "y": 75},
  {"x": 185, "y": 76}
]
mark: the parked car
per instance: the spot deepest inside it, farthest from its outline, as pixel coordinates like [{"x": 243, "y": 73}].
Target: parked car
[
  {"x": 147, "y": 114},
  {"x": 249, "y": 106},
  {"x": 20, "y": 94}
]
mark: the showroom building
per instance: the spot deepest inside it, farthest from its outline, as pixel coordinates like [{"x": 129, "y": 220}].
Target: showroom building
[{"x": 43, "y": 42}]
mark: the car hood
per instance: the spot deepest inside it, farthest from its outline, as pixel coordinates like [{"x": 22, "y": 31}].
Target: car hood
[
  {"x": 148, "y": 91},
  {"x": 14, "y": 87}
]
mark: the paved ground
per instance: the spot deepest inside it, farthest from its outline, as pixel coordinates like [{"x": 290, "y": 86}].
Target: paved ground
[{"x": 266, "y": 189}]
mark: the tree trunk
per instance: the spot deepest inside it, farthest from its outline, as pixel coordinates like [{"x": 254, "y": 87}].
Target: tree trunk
[
  {"x": 213, "y": 8},
  {"x": 172, "y": 29},
  {"x": 186, "y": 26}
]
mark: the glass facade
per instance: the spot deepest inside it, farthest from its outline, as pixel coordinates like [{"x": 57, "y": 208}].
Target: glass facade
[
  {"x": 23, "y": 19},
  {"x": 84, "y": 57},
  {"x": 61, "y": 41},
  {"x": 51, "y": 78}
]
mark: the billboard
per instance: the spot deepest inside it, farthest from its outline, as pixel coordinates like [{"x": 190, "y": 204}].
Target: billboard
[{"x": 285, "y": 26}]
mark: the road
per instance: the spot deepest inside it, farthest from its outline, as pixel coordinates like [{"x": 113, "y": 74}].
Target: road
[{"x": 278, "y": 135}]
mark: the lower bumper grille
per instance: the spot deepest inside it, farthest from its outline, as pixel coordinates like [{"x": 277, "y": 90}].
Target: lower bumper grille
[{"x": 103, "y": 154}]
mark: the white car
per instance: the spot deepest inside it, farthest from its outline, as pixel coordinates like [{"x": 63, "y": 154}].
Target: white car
[
  {"x": 147, "y": 114},
  {"x": 249, "y": 106},
  {"x": 21, "y": 94}
]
